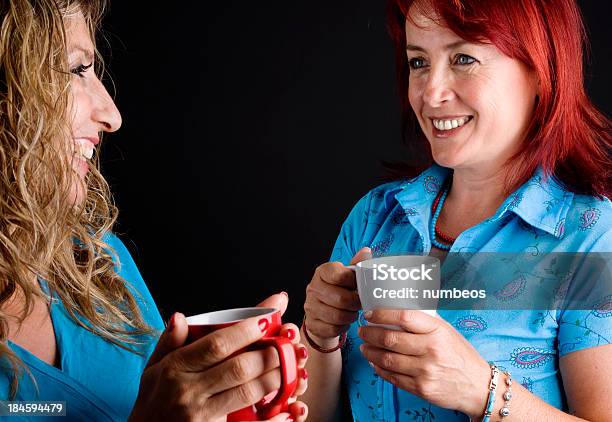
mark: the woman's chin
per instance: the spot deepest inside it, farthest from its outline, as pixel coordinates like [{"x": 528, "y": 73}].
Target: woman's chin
[
  {"x": 455, "y": 156},
  {"x": 77, "y": 193},
  {"x": 447, "y": 159}
]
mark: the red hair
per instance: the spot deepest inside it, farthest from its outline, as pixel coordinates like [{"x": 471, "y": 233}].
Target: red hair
[{"x": 567, "y": 135}]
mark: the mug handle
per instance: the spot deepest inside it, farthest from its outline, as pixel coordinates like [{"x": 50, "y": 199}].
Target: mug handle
[{"x": 289, "y": 377}]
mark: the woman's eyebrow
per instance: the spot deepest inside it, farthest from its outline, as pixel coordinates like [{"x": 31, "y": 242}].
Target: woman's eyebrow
[
  {"x": 88, "y": 53},
  {"x": 446, "y": 47}
]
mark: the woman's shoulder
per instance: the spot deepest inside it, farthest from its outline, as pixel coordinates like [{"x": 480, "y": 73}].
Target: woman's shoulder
[
  {"x": 126, "y": 267},
  {"x": 376, "y": 203},
  {"x": 124, "y": 263},
  {"x": 590, "y": 219},
  {"x": 381, "y": 195},
  {"x": 601, "y": 207},
  {"x": 408, "y": 190},
  {"x": 117, "y": 246}
]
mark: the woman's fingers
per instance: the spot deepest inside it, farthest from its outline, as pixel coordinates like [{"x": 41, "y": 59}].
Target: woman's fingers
[
  {"x": 361, "y": 255},
  {"x": 391, "y": 361},
  {"x": 332, "y": 301},
  {"x": 246, "y": 367},
  {"x": 394, "y": 340},
  {"x": 301, "y": 352},
  {"x": 278, "y": 301},
  {"x": 244, "y": 395},
  {"x": 413, "y": 321},
  {"x": 173, "y": 337},
  {"x": 217, "y": 346},
  {"x": 237, "y": 370},
  {"x": 335, "y": 296},
  {"x": 291, "y": 331},
  {"x": 335, "y": 273},
  {"x": 328, "y": 314},
  {"x": 404, "y": 382},
  {"x": 302, "y": 382},
  {"x": 299, "y": 411},
  {"x": 302, "y": 355},
  {"x": 281, "y": 417}
]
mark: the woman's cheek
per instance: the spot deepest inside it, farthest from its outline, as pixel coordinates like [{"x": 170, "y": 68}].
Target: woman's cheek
[
  {"x": 415, "y": 92},
  {"x": 415, "y": 98}
]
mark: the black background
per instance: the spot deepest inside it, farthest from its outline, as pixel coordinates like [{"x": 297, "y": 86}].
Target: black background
[{"x": 249, "y": 131}]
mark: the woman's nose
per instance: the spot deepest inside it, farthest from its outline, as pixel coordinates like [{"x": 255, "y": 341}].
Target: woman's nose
[
  {"x": 438, "y": 88},
  {"x": 105, "y": 112}
]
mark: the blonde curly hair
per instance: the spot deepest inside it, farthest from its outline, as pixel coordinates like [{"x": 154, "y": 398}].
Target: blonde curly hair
[{"x": 42, "y": 232}]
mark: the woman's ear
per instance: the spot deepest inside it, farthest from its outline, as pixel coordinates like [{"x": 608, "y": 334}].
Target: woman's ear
[
  {"x": 537, "y": 84},
  {"x": 536, "y": 87}
]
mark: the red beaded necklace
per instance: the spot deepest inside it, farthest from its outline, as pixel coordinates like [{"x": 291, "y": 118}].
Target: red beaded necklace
[{"x": 444, "y": 238}]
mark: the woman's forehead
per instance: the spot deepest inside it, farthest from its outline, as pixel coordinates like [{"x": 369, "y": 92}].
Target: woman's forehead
[
  {"x": 77, "y": 34},
  {"x": 423, "y": 13},
  {"x": 75, "y": 24},
  {"x": 428, "y": 26}
]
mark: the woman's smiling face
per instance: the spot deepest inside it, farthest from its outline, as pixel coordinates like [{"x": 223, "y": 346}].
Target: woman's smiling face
[
  {"x": 486, "y": 96},
  {"x": 92, "y": 109}
]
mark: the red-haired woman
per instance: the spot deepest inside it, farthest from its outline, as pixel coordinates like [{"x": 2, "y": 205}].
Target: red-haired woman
[{"x": 514, "y": 158}]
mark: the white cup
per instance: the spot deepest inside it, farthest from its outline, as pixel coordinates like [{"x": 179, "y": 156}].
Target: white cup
[{"x": 398, "y": 282}]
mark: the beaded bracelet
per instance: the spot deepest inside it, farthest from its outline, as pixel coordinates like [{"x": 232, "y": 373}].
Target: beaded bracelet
[
  {"x": 316, "y": 346},
  {"x": 505, "y": 410},
  {"x": 492, "y": 390}
]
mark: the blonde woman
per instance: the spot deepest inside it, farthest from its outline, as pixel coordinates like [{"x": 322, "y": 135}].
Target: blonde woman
[{"x": 77, "y": 322}]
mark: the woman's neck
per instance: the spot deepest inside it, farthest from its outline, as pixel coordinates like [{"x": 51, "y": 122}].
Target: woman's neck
[
  {"x": 474, "y": 196},
  {"x": 484, "y": 189}
]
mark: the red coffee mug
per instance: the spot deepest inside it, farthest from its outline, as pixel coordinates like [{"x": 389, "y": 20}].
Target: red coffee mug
[{"x": 277, "y": 401}]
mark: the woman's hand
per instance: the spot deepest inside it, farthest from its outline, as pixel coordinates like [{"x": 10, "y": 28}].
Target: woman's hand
[
  {"x": 205, "y": 380},
  {"x": 332, "y": 301},
  {"x": 429, "y": 358}
]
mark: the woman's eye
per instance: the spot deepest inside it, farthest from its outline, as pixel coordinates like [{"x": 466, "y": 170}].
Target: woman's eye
[
  {"x": 416, "y": 63},
  {"x": 464, "y": 60},
  {"x": 81, "y": 69}
]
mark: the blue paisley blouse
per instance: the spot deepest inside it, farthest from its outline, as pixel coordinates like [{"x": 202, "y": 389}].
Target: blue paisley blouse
[{"x": 394, "y": 219}]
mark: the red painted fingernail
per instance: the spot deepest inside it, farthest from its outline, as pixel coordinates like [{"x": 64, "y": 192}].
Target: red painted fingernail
[
  {"x": 303, "y": 353},
  {"x": 302, "y": 411},
  {"x": 263, "y": 324},
  {"x": 303, "y": 373},
  {"x": 171, "y": 323},
  {"x": 290, "y": 334}
]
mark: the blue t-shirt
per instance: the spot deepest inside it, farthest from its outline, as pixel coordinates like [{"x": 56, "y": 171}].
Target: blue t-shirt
[
  {"x": 98, "y": 380},
  {"x": 394, "y": 219}
]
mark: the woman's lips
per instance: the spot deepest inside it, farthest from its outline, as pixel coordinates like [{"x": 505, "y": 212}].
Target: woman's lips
[{"x": 437, "y": 133}]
